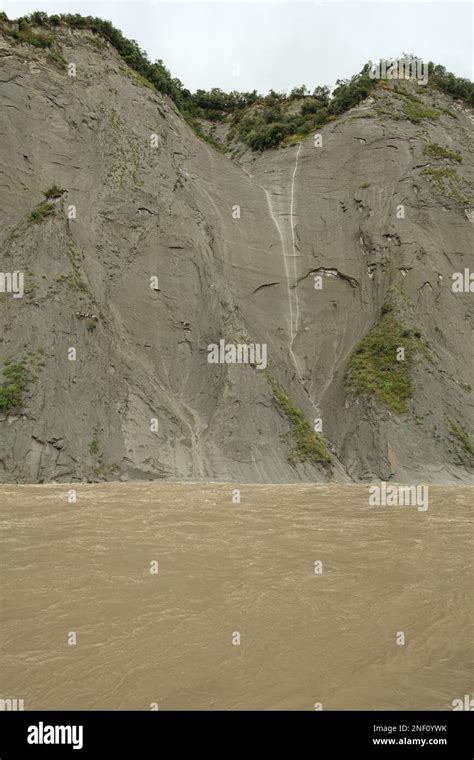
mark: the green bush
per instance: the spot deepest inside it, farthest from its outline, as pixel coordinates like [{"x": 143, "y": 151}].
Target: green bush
[
  {"x": 39, "y": 18},
  {"x": 309, "y": 107},
  {"x": 17, "y": 379},
  {"x": 11, "y": 397},
  {"x": 263, "y": 137},
  {"x": 456, "y": 87},
  {"x": 350, "y": 92},
  {"x": 274, "y": 125}
]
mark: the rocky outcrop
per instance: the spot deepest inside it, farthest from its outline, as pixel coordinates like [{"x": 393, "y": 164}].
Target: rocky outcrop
[{"x": 141, "y": 245}]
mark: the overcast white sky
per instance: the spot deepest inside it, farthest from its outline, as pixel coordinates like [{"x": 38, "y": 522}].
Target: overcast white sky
[{"x": 250, "y": 45}]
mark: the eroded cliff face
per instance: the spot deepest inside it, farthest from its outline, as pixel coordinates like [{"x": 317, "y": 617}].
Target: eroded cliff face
[{"x": 236, "y": 249}]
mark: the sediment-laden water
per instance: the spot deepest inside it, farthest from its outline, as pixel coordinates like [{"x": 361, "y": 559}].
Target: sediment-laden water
[{"x": 318, "y": 586}]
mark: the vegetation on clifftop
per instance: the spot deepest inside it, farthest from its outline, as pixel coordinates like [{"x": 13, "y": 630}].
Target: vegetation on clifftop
[{"x": 258, "y": 121}]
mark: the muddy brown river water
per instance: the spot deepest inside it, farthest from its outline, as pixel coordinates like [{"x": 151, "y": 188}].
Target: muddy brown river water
[{"x": 320, "y": 588}]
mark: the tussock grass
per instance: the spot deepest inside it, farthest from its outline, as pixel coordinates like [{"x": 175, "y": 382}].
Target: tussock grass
[
  {"x": 53, "y": 192},
  {"x": 40, "y": 212},
  {"x": 433, "y": 149},
  {"x": 306, "y": 445},
  {"x": 461, "y": 435},
  {"x": 447, "y": 182},
  {"x": 29, "y": 37}
]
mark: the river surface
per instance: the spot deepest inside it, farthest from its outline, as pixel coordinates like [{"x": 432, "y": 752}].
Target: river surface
[{"x": 323, "y": 634}]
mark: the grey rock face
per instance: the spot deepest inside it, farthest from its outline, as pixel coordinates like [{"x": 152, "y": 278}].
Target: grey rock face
[{"x": 235, "y": 249}]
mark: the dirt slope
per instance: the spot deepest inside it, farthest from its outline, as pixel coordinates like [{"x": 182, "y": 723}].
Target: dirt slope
[{"x": 141, "y": 211}]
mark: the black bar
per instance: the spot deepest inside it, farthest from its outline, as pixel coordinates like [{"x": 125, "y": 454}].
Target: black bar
[{"x": 325, "y": 734}]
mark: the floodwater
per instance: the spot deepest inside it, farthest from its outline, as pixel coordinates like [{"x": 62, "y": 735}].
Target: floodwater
[{"x": 309, "y": 633}]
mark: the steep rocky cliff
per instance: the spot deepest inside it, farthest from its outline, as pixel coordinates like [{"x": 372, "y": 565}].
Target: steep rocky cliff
[{"x": 333, "y": 253}]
